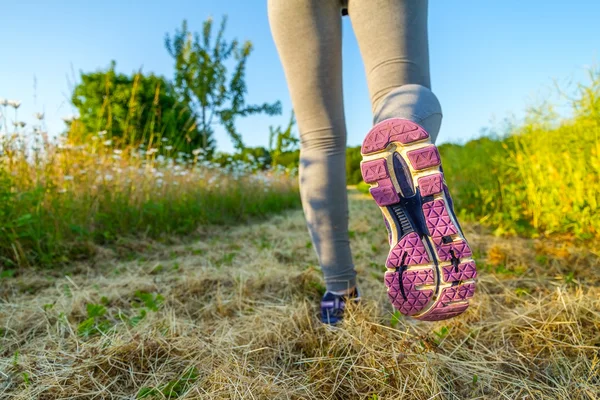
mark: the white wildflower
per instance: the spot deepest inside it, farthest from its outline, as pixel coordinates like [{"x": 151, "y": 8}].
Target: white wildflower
[
  {"x": 117, "y": 151},
  {"x": 14, "y": 104},
  {"x": 68, "y": 177},
  {"x": 101, "y": 133},
  {"x": 165, "y": 139},
  {"x": 107, "y": 142},
  {"x": 169, "y": 148}
]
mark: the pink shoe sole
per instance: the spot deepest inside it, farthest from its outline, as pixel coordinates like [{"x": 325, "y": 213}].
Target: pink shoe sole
[{"x": 431, "y": 275}]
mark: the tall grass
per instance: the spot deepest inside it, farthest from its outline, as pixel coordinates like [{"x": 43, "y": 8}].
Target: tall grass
[
  {"x": 59, "y": 199},
  {"x": 543, "y": 178}
]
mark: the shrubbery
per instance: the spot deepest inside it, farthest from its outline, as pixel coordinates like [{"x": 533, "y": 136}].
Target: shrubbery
[{"x": 542, "y": 178}]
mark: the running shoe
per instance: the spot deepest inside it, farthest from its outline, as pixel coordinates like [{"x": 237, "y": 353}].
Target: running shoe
[
  {"x": 333, "y": 306},
  {"x": 430, "y": 270}
]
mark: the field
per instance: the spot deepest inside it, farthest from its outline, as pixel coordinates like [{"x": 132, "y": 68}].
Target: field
[
  {"x": 131, "y": 272},
  {"x": 61, "y": 199},
  {"x": 233, "y": 315}
]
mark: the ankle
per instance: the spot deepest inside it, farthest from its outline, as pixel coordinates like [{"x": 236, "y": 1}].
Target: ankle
[{"x": 343, "y": 292}]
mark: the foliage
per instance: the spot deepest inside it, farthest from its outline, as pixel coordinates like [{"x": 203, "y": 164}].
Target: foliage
[
  {"x": 95, "y": 322},
  {"x": 353, "y": 158},
  {"x": 172, "y": 389},
  {"x": 282, "y": 142},
  {"x": 543, "y": 178},
  {"x": 257, "y": 157},
  {"x": 204, "y": 82},
  {"x": 289, "y": 159},
  {"x": 132, "y": 110},
  {"x": 58, "y": 200}
]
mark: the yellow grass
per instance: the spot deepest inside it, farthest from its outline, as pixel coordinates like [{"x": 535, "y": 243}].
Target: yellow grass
[{"x": 543, "y": 179}]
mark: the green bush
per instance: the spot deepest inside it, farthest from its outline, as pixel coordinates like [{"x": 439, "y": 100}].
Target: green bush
[
  {"x": 132, "y": 110},
  {"x": 543, "y": 178},
  {"x": 353, "y": 158}
]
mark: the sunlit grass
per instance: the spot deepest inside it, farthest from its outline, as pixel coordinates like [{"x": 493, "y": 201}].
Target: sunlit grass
[
  {"x": 234, "y": 315},
  {"x": 544, "y": 178},
  {"x": 234, "y": 312},
  {"x": 60, "y": 198}
]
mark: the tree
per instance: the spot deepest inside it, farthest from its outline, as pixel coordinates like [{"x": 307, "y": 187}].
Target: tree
[
  {"x": 353, "y": 159},
  {"x": 203, "y": 81},
  {"x": 135, "y": 108},
  {"x": 282, "y": 142}
]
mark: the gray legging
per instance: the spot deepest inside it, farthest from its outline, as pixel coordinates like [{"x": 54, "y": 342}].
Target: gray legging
[{"x": 392, "y": 36}]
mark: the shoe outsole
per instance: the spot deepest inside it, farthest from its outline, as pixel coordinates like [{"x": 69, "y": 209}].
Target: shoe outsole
[{"x": 431, "y": 275}]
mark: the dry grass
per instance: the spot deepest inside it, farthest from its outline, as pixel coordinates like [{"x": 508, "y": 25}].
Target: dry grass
[{"x": 237, "y": 319}]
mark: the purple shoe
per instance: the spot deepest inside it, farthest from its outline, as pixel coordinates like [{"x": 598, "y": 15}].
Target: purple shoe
[
  {"x": 333, "y": 306},
  {"x": 431, "y": 275}
]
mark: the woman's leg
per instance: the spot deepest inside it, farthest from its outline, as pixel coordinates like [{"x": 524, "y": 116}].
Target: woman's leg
[
  {"x": 308, "y": 37},
  {"x": 392, "y": 36}
]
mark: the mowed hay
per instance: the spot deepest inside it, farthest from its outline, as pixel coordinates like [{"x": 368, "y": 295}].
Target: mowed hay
[{"x": 234, "y": 315}]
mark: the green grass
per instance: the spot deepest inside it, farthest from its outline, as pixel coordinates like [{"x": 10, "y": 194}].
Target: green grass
[
  {"x": 541, "y": 178},
  {"x": 58, "y": 201},
  {"x": 544, "y": 178},
  {"x": 189, "y": 321}
]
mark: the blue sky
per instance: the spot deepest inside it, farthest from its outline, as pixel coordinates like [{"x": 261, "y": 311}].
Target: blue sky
[{"x": 489, "y": 59}]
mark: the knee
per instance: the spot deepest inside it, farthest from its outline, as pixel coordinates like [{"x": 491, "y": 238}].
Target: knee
[
  {"x": 413, "y": 102},
  {"x": 328, "y": 141}
]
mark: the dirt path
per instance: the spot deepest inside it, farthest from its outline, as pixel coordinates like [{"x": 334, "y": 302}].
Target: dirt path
[{"x": 233, "y": 315}]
